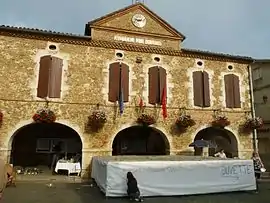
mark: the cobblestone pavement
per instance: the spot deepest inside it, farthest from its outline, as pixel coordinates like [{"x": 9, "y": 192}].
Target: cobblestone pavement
[{"x": 30, "y": 192}]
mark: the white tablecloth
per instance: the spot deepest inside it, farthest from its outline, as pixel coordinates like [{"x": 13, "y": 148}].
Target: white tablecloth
[{"x": 70, "y": 167}]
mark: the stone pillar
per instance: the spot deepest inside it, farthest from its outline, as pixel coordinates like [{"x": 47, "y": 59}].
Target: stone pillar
[
  {"x": 87, "y": 155},
  {"x": 205, "y": 151}
]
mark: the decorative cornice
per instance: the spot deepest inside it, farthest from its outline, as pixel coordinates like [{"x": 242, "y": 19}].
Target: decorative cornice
[
  {"x": 86, "y": 41},
  {"x": 144, "y": 34}
]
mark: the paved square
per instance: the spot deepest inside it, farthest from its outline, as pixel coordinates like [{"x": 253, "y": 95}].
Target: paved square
[{"x": 29, "y": 192}]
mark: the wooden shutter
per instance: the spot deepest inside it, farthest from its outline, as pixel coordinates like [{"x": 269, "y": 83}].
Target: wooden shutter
[
  {"x": 43, "y": 78},
  {"x": 206, "y": 90},
  {"x": 114, "y": 78},
  {"x": 153, "y": 85},
  {"x": 55, "y": 79},
  {"x": 236, "y": 92},
  {"x": 125, "y": 81},
  {"x": 198, "y": 88},
  {"x": 229, "y": 82},
  {"x": 162, "y": 82}
]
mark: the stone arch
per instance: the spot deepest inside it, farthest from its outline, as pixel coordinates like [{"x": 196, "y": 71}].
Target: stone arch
[
  {"x": 223, "y": 137},
  {"x": 144, "y": 136},
  {"x": 27, "y": 123}
]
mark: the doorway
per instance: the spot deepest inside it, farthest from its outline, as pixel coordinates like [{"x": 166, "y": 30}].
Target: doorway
[
  {"x": 32, "y": 145},
  {"x": 224, "y": 139},
  {"x": 140, "y": 140}
]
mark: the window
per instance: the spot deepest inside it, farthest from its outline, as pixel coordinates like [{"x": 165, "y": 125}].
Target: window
[
  {"x": 50, "y": 77},
  {"x": 232, "y": 91},
  {"x": 201, "y": 90},
  {"x": 157, "y": 84},
  {"x": 257, "y": 74},
  {"x": 118, "y": 79}
]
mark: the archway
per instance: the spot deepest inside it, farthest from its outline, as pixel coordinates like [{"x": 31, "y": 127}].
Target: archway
[
  {"x": 32, "y": 144},
  {"x": 140, "y": 140},
  {"x": 224, "y": 139}
]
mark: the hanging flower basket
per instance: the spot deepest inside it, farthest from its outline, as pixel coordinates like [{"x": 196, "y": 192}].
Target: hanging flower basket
[
  {"x": 252, "y": 123},
  {"x": 184, "y": 121},
  {"x": 97, "y": 120},
  {"x": 44, "y": 116},
  {"x": 146, "y": 120},
  {"x": 220, "y": 121}
]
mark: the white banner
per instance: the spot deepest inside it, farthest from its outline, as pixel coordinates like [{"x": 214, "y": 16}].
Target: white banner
[{"x": 166, "y": 178}]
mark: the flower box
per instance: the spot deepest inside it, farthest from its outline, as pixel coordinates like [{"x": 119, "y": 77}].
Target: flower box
[
  {"x": 44, "y": 116},
  {"x": 221, "y": 121},
  {"x": 146, "y": 120},
  {"x": 97, "y": 120},
  {"x": 184, "y": 122}
]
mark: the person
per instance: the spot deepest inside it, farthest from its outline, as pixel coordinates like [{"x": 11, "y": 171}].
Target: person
[
  {"x": 258, "y": 165},
  {"x": 132, "y": 188},
  {"x": 57, "y": 150},
  {"x": 3, "y": 177},
  {"x": 221, "y": 154},
  {"x": 11, "y": 175}
]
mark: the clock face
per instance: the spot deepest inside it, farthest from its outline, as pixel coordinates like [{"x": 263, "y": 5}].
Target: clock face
[{"x": 139, "y": 20}]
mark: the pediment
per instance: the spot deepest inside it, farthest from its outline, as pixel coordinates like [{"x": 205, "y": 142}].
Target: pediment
[{"x": 137, "y": 19}]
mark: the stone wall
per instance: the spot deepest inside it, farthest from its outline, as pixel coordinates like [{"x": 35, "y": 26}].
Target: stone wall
[{"x": 85, "y": 85}]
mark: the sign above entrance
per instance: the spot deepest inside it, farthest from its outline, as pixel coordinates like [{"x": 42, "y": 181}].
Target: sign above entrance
[{"x": 137, "y": 40}]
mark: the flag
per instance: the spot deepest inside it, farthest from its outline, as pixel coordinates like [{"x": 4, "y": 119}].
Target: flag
[
  {"x": 164, "y": 103},
  {"x": 121, "y": 101},
  {"x": 141, "y": 103}
]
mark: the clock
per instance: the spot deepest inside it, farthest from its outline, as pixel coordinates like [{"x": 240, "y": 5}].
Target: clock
[{"x": 139, "y": 20}]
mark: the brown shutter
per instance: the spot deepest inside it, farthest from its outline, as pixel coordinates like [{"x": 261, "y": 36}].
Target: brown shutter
[
  {"x": 236, "y": 92},
  {"x": 114, "y": 78},
  {"x": 198, "y": 88},
  {"x": 125, "y": 81},
  {"x": 162, "y": 82},
  {"x": 43, "y": 78},
  {"x": 206, "y": 90},
  {"x": 228, "y": 80},
  {"x": 55, "y": 81},
  {"x": 153, "y": 85}
]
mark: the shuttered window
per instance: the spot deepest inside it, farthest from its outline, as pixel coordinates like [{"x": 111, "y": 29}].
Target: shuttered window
[
  {"x": 118, "y": 79},
  {"x": 201, "y": 89},
  {"x": 157, "y": 81},
  {"x": 232, "y": 91},
  {"x": 50, "y": 77}
]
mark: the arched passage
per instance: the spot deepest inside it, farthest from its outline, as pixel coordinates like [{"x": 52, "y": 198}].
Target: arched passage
[
  {"x": 224, "y": 139},
  {"x": 140, "y": 140},
  {"x": 32, "y": 144}
]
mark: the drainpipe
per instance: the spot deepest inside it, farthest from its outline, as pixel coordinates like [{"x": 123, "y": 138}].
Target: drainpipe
[{"x": 255, "y": 137}]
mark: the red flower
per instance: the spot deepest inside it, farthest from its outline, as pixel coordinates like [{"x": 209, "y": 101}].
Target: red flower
[{"x": 44, "y": 116}]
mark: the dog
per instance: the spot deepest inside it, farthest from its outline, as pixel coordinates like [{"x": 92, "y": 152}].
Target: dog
[
  {"x": 11, "y": 176},
  {"x": 132, "y": 188}
]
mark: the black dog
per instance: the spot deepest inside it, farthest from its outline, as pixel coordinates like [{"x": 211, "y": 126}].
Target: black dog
[{"x": 133, "y": 190}]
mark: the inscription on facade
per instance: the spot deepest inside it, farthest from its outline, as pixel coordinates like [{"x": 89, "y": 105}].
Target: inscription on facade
[{"x": 137, "y": 40}]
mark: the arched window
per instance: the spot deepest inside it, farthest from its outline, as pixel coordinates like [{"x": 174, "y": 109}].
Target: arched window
[
  {"x": 157, "y": 77},
  {"x": 201, "y": 90},
  {"x": 232, "y": 91},
  {"x": 118, "y": 81},
  {"x": 50, "y": 77}
]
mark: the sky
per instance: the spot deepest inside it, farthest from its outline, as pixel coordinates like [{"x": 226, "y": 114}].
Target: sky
[{"x": 238, "y": 27}]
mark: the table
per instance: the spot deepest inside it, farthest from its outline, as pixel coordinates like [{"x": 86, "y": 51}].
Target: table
[
  {"x": 168, "y": 178},
  {"x": 68, "y": 166}
]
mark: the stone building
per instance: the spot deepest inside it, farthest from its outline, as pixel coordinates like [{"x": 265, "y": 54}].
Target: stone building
[
  {"x": 128, "y": 56},
  {"x": 261, "y": 89}
]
